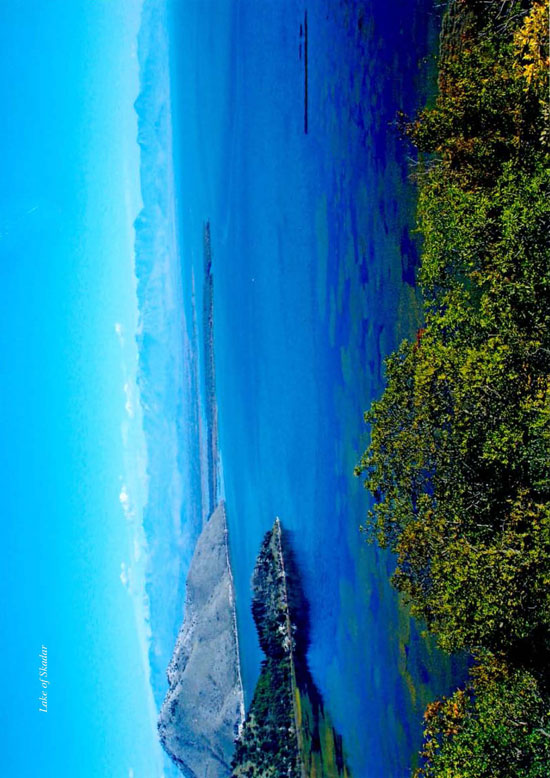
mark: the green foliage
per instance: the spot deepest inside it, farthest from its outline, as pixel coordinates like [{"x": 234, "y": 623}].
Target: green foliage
[
  {"x": 268, "y": 744},
  {"x": 272, "y": 611},
  {"x": 492, "y": 75},
  {"x": 459, "y": 458},
  {"x": 498, "y": 727}
]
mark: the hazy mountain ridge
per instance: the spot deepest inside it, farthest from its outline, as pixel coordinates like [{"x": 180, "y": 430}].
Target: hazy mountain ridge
[{"x": 167, "y": 355}]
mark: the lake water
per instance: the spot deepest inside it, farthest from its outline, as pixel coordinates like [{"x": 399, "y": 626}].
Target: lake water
[{"x": 313, "y": 267}]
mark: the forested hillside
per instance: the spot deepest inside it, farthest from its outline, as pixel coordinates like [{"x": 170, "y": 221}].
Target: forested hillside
[{"x": 459, "y": 458}]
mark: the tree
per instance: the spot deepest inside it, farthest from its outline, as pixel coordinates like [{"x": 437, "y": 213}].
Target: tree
[{"x": 458, "y": 461}]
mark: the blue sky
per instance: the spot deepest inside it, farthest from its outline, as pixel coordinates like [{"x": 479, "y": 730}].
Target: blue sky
[{"x": 69, "y": 191}]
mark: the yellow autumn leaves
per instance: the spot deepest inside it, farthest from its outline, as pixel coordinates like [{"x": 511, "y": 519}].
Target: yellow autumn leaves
[{"x": 531, "y": 42}]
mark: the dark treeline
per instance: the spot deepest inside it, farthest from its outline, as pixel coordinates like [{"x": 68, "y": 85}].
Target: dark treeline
[{"x": 459, "y": 458}]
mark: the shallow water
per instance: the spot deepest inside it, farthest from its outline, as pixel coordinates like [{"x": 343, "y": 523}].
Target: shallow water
[{"x": 313, "y": 266}]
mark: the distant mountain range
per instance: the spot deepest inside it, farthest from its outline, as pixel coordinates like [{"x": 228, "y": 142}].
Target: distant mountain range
[{"x": 168, "y": 353}]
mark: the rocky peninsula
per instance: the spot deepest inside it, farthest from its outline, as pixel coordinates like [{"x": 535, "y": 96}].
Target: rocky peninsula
[{"x": 204, "y": 708}]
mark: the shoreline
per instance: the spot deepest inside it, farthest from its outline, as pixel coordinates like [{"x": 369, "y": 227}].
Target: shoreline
[
  {"x": 233, "y": 601},
  {"x": 297, "y": 723}
]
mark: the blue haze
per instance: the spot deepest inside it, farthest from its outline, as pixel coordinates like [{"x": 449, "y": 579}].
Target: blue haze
[
  {"x": 173, "y": 516},
  {"x": 69, "y": 193}
]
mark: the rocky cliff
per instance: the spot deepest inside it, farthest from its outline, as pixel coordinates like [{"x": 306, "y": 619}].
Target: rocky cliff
[{"x": 204, "y": 707}]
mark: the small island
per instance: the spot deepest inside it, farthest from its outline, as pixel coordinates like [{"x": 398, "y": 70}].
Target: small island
[{"x": 286, "y": 732}]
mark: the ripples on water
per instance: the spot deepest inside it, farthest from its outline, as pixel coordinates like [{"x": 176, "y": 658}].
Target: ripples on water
[{"x": 313, "y": 262}]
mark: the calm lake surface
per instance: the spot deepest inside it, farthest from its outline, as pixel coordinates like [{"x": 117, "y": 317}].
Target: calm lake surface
[{"x": 313, "y": 266}]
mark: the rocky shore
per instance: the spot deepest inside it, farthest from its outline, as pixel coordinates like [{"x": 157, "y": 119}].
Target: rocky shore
[{"x": 204, "y": 708}]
